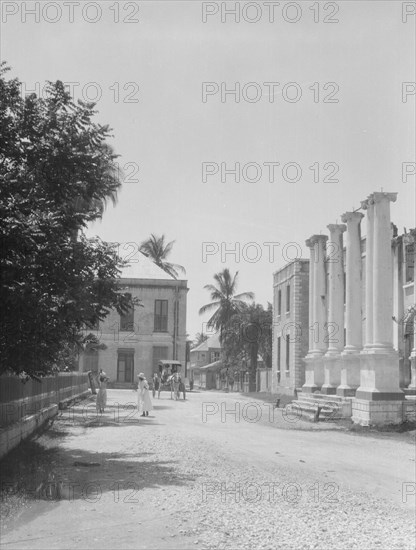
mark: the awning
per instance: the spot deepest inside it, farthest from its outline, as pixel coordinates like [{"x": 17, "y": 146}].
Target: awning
[{"x": 166, "y": 362}]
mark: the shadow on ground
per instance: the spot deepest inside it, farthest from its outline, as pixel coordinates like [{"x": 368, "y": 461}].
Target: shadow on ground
[{"x": 43, "y": 471}]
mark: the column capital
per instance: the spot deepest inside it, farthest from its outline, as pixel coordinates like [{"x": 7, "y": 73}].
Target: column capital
[
  {"x": 350, "y": 217},
  {"x": 369, "y": 201},
  {"x": 335, "y": 228},
  {"x": 315, "y": 239},
  {"x": 378, "y": 196}
]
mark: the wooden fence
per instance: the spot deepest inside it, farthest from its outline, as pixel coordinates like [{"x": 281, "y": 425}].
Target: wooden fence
[{"x": 19, "y": 399}]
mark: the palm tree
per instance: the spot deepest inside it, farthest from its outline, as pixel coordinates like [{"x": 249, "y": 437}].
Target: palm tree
[
  {"x": 200, "y": 337},
  {"x": 225, "y": 302},
  {"x": 156, "y": 249}
]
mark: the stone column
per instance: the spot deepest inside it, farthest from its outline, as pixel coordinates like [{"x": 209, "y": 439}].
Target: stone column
[
  {"x": 353, "y": 317},
  {"x": 350, "y": 366},
  {"x": 379, "y": 398},
  {"x": 369, "y": 242},
  {"x": 335, "y": 262},
  {"x": 383, "y": 274},
  {"x": 311, "y": 247},
  {"x": 412, "y": 385},
  {"x": 314, "y": 371},
  {"x": 398, "y": 307},
  {"x": 319, "y": 294}
]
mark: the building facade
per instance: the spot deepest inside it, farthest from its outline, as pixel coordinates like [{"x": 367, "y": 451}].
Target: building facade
[
  {"x": 290, "y": 326},
  {"x": 156, "y": 329},
  {"x": 361, "y": 323},
  {"x": 205, "y": 354},
  {"x": 290, "y": 349}
]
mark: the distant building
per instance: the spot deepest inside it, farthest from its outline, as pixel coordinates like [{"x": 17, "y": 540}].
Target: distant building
[
  {"x": 208, "y": 354},
  {"x": 155, "y": 330},
  {"x": 290, "y": 326}
]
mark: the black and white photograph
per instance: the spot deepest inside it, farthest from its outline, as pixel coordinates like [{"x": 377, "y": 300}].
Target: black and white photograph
[{"x": 208, "y": 300}]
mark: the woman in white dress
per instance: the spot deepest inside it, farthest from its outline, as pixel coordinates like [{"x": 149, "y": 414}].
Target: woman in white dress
[{"x": 144, "y": 402}]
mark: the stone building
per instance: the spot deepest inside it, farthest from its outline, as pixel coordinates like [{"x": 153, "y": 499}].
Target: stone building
[
  {"x": 360, "y": 327},
  {"x": 290, "y": 326},
  {"x": 154, "y": 330}
]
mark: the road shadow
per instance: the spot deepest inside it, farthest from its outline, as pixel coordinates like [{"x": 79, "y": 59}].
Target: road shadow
[
  {"x": 115, "y": 415},
  {"x": 45, "y": 472}
]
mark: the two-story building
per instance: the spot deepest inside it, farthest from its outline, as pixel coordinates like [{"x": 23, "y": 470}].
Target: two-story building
[
  {"x": 207, "y": 354},
  {"x": 290, "y": 326},
  {"x": 153, "y": 330}
]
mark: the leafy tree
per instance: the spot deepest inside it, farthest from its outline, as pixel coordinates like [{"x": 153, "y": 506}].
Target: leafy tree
[
  {"x": 156, "y": 249},
  {"x": 225, "y": 302},
  {"x": 57, "y": 172},
  {"x": 246, "y": 335}
]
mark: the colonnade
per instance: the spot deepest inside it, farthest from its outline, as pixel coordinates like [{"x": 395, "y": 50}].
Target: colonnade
[{"x": 365, "y": 365}]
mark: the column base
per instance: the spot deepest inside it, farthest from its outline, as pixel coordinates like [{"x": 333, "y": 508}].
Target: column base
[
  {"x": 329, "y": 390},
  {"x": 377, "y": 413},
  {"x": 314, "y": 373},
  {"x": 379, "y": 379},
  {"x": 346, "y": 391},
  {"x": 332, "y": 374},
  {"x": 350, "y": 374}
]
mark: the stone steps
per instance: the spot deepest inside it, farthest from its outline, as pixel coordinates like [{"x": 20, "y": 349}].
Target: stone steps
[{"x": 331, "y": 407}]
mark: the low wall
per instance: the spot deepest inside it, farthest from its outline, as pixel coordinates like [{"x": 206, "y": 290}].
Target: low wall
[{"x": 27, "y": 406}]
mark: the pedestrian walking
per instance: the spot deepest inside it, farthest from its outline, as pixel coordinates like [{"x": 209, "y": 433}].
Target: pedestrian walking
[
  {"x": 144, "y": 402},
  {"x": 102, "y": 392},
  {"x": 156, "y": 384}
]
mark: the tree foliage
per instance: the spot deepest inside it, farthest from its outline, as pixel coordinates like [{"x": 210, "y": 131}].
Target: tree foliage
[
  {"x": 200, "y": 338},
  {"x": 247, "y": 335},
  {"x": 57, "y": 172},
  {"x": 157, "y": 250},
  {"x": 225, "y": 302}
]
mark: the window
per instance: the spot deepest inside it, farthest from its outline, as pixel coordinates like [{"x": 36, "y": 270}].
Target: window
[
  {"x": 279, "y": 349},
  {"x": 410, "y": 262},
  {"x": 287, "y": 298},
  {"x": 215, "y": 356},
  {"x": 159, "y": 352},
  {"x": 287, "y": 351},
  {"x": 125, "y": 366},
  {"x": 161, "y": 316},
  {"x": 127, "y": 320},
  {"x": 345, "y": 288},
  {"x": 279, "y": 302}
]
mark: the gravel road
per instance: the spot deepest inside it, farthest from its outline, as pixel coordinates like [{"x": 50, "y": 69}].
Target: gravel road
[{"x": 217, "y": 471}]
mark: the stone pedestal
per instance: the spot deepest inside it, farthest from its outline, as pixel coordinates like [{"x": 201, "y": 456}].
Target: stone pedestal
[
  {"x": 350, "y": 374},
  {"x": 332, "y": 373},
  {"x": 377, "y": 413},
  {"x": 379, "y": 377},
  {"x": 314, "y": 373}
]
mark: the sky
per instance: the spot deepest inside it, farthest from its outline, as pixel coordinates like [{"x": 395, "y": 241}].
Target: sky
[{"x": 335, "y": 122}]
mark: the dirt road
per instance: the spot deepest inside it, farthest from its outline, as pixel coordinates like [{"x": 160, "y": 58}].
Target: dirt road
[{"x": 214, "y": 471}]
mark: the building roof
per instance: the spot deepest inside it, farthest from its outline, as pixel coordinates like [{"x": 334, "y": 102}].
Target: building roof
[
  {"x": 212, "y": 342},
  {"x": 212, "y": 366},
  {"x": 142, "y": 267}
]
